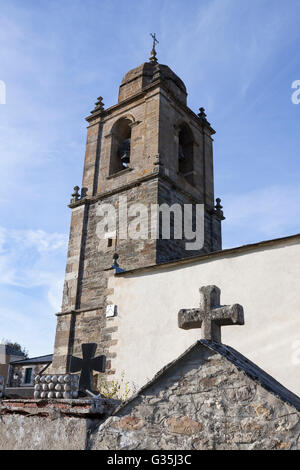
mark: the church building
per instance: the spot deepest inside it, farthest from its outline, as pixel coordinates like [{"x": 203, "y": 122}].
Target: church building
[
  {"x": 123, "y": 293},
  {"x": 148, "y": 148},
  {"x": 137, "y": 292}
]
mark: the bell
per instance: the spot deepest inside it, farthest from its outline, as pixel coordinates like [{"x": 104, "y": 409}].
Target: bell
[
  {"x": 181, "y": 156},
  {"x": 125, "y": 158},
  {"x": 125, "y": 153}
]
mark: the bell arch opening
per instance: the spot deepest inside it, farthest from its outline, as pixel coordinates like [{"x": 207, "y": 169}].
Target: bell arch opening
[
  {"x": 121, "y": 145},
  {"x": 186, "y": 153}
]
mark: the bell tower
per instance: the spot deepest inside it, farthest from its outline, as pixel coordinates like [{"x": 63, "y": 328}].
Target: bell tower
[{"x": 149, "y": 148}]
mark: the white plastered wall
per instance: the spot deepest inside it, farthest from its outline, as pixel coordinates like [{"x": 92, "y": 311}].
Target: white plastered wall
[{"x": 265, "y": 280}]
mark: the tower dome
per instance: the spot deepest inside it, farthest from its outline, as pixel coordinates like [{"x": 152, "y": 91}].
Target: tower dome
[{"x": 143, "y": 76}]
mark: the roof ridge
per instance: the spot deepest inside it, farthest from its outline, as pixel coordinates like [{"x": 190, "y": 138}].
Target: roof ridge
[
  {"x": 239, "y": 361},
  {"x": 27, "y": 359}
]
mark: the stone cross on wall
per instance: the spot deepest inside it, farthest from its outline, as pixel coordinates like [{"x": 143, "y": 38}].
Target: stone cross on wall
[
  {"x": 86, "y": 365},
  {"x": 211, "y": 315}
]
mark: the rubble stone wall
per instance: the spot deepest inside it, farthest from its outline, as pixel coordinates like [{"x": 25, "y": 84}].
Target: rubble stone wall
[{"x": 203, "y": 402}]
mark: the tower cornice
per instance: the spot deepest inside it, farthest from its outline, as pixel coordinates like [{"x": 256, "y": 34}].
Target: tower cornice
[
  {"x": 158, "y": 174},
  {"x": 143, "y": 95}
]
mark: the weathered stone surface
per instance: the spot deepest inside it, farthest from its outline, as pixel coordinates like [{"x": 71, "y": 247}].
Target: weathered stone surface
[
  {"x": 210, "y": 398},
  {"x": 2, "y": 385},
  {"x": 184, "y": 425},
  {"x": 37, "y": 433},
  {"x": 50, "y": 424},
  {"x": 211, "y": 315},
  {"x": 130, "y": 423}
]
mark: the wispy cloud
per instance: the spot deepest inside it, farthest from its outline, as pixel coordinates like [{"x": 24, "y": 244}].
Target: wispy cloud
[
  {"x": 31, "y": 280},
  {"x": 26, "y": 254},
  {"x": 39, "y": 240}
]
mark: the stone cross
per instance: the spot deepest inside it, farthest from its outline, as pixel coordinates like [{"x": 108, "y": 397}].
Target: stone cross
[
  {"x": 86, "y": 365},
  {"x": 155, "y": 41},
  {"x": 211, "y": 315}
]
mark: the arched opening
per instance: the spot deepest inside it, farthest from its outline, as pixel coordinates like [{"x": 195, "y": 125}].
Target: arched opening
[
  {"x": 186, "y": 153},
  {"x": 121, "y": 146}
]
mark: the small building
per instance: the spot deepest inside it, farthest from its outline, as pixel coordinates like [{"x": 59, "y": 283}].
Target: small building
[
  {"x": 22, "y": 373},
  {"x": 8, "y": 355}
]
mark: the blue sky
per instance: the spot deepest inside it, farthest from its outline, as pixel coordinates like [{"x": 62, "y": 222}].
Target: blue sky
[{"x": 237, "y": 58}]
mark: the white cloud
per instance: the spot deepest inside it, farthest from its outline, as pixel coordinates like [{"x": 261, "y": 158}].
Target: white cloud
[
  {"x": 39, "y": 240},
  {"x": 55, "y": 294},
  {"x": 2, "y": 238},
  {"x": 32, "y": 266},
  {"x": 27, "y": 259}
]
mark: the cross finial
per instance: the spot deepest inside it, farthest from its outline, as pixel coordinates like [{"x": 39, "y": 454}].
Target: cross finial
[
  {"x": 218, "y": 209},
  {"x": 153, "y": 58},
  {"x": 211, "y": 315},
  {"x": 99, "y": 105},
  {"x": 75, "y": 194},
  {"x": 202, "y": 114}
]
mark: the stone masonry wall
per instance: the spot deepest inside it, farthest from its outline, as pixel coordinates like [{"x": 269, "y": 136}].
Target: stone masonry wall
[
  {"x": 201, "y": 402},
  {"x": 89, "y": 262},
  {"x": 92, "y": 325},
  {"x": 65, "y": 319},
  {"x": 172, "y": 117},
  {"x": 173, "y": 249},
  {"x": 143, "y": 113}
]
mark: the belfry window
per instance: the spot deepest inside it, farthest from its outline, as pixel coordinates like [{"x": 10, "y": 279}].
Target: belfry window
[
  {"x": 186, "y": 153},
  {"x": 121, "y": 146}
]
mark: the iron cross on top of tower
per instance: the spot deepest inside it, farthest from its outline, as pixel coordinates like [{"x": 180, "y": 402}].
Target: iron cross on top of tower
[{"x": 153, "y": 57}]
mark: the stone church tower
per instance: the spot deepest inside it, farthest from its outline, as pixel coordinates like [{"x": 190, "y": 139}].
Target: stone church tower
[{"x": 152, "y": 149}]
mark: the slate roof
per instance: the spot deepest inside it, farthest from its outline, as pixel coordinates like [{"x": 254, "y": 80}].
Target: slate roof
[
  {"x": 35, "y": 360},
  {"x": 254, "y": 372},
  {"x": 241, "y": 362}
]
